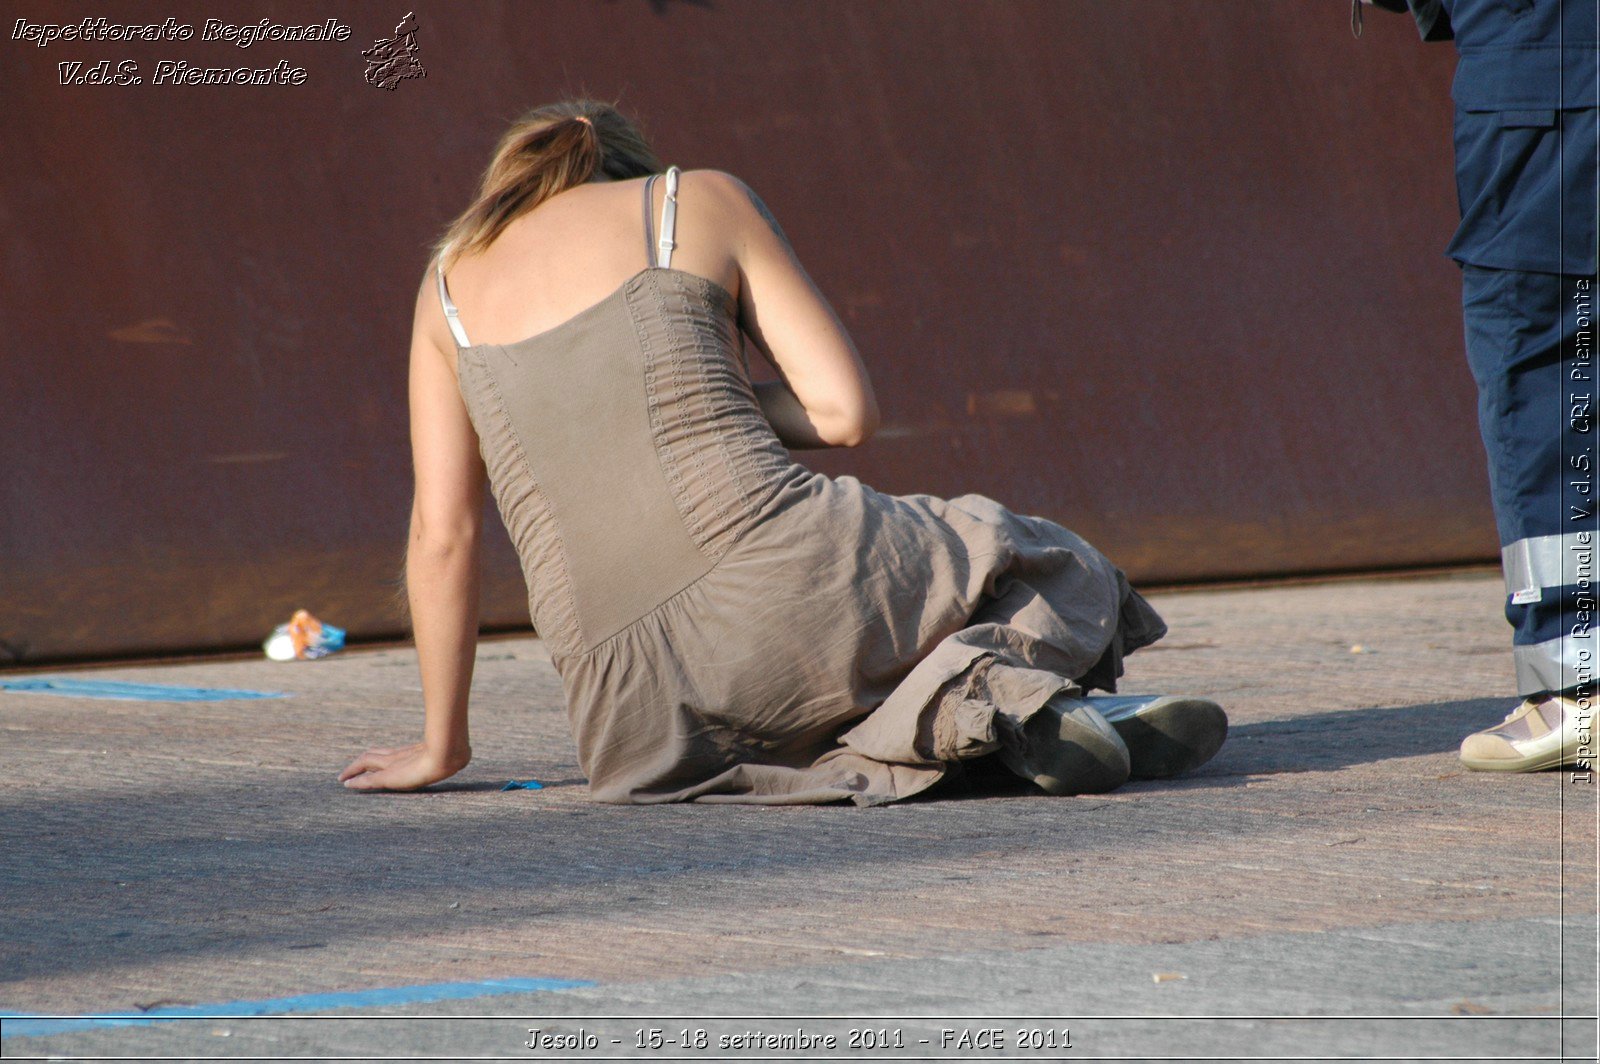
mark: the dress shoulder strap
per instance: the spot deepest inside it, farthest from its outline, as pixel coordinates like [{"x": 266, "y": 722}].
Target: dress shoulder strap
[
  {"x": 649, "y": 224},
  {"x": 449, "y": 305},
  {"x": 659, "y": 252}
]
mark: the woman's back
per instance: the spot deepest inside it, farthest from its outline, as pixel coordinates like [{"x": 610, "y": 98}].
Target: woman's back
[{"x": 624, "y": 443}]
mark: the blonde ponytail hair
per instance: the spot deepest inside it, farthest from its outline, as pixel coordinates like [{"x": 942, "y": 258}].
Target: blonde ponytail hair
[{"x": 547, "y": 151}]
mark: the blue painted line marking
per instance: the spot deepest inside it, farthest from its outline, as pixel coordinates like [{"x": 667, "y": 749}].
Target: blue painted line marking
[
  {"x": 131, "y": 692},
  {"x": 31, "y": 1025}
]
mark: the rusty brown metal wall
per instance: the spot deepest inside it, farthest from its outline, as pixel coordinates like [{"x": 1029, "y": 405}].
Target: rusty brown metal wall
[{"x": 1168, "y": 273}]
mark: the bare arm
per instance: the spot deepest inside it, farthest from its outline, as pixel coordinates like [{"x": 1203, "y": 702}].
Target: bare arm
[
  {"x": 824, "y": 397},
  {"x": 442, "y": 565}
]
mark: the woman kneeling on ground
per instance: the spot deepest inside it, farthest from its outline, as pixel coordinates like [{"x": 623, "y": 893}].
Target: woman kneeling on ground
[{"x": 728, "y": 625}]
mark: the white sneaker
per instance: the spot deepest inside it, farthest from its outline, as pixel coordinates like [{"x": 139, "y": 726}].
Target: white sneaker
[{"x": 1540, "y": 733}]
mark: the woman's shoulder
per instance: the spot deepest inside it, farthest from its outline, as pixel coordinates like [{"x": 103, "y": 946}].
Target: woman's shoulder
[
  {"x": 718, "y": 185},
  {"x": 720, "y": 180},
  {"x": 729, "y": 197}
]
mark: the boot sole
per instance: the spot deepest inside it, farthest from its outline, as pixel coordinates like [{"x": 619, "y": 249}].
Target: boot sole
[
  {"x": 1172, "y": 736},
  {"x": 1068, "y": 755}
]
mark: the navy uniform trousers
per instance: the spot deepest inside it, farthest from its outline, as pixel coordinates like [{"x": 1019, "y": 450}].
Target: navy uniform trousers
[
  {"x": 1525, "y": 147},
  {"x": 1530, "y": 341}
]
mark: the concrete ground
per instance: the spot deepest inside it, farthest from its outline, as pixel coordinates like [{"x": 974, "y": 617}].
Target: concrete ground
[{"x": 1332, "y": 885}]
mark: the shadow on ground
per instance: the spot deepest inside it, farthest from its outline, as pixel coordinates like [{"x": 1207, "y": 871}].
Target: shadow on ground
[
  {"x": 107, "y": 878},
  {"x": 1341, "y": 738}
]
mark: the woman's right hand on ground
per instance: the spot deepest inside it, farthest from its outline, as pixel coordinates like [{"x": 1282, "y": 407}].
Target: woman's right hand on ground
[{"x": 404, "y": 768}]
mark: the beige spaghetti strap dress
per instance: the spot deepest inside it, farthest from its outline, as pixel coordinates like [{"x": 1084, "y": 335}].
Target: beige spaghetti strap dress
[{"x": 732, "y": 627}]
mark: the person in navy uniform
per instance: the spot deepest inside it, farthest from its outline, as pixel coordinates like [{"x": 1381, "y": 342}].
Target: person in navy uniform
[{"x": 1525, "y": 154}]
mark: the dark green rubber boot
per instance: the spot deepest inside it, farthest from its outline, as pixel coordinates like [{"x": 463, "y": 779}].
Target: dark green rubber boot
[
  {"x": 1165, "y": 734},
  {"x": 1066, "y": 747}
]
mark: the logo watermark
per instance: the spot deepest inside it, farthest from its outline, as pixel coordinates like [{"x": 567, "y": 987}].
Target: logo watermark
[{"x": 391, "y": 60}]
